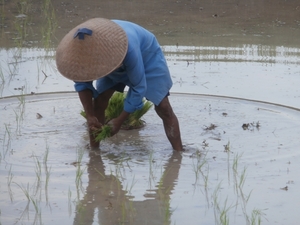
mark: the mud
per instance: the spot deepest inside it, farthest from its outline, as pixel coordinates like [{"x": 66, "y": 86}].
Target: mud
[
  {"x": 239, "y": 63},
  {"x": 208, "y": 22}
]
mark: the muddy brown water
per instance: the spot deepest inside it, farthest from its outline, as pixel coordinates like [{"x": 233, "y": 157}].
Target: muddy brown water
[{"x": 235, "y": 68}]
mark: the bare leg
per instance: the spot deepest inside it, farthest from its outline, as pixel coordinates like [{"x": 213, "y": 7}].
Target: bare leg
[
  {"x": 101, "y": 103},
  {"x": 165, "y": 112},
  {"x": 99, "y": 106}
]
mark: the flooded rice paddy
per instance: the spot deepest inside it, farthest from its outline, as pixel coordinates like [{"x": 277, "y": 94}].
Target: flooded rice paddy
[{"x": 236, "y": 95}]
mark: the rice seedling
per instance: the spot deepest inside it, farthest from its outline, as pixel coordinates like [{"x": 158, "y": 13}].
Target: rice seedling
[
  {"x": 256, "y": 217},
  {"x": 38, "y": 172},
  {"x": 50, "y": 24},
  {"x": 2, "y": 78},
  {"x": 198, "y": 163},
  {"x": 134, "y": 119},
  {"x": 2, "y": 14},
  {"x": 151, "y": 173},
  {"x": 18, "y": 121},
  {"x": 168, "y": 211},
  {"x": 35, "y": 204},
  {"x": 103, "y": 133},
  {"x": 220, "y": 212},
  {"x": 9, "y": 181},
  {"x": 69, "y": 201},
  {"x": 128, "y": 189},
  {"x": 119, "y": 174},
  {"x": 38, "y": 213},
  {"x": 45, "y": 159},
  {"x": 25, "y": 190},
  {"x": 79, "y": 172},
  {"x": 22, "y": 24},
  {"x": 6, "y": 141},
  {"x": 227, "y": 150},
  {"x": 12, "y": 67},
  {"x": 47, "y": 172},
  {"x": 21, "y": 106},
  {"x": 78, "y": 181},
  {"x": 113, "y": 110},
  {"x": 239, "y": 179},
  {"x": 153, "y": 168}
]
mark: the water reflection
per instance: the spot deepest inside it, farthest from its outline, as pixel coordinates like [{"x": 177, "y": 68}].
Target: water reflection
[
  {"x": 108, "y": 202},
  {"x": 245, "y": 70},
  {"x": 240, "y": 53}
]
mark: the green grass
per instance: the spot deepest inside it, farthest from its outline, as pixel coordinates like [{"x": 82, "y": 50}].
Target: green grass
[
  {"x": 9, "y": 181},
  {"x": 50, "y": 24},
  {"x": 114, "y": 109},
  {"x": 6, "y": 141},
  {"x": 79, "y": 172},
  {"x": 104, "y": 133},
  {"x": 47, "y": 170},
  {"x": 116, "y": 106}
]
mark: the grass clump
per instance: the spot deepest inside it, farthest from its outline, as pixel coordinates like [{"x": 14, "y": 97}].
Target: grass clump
[
  {"x": 104, "y": 133},
  {"x": 116, "y": 106},
  {"x": 114, "y": 109}
]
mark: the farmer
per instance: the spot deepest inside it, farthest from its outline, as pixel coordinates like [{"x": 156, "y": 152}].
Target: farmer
[{"x": 117, "y": 54}]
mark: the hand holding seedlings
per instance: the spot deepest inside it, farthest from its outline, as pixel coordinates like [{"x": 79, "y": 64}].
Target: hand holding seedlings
[
  {"x": 140, "y": 72},
  {"x": 103, "y": 133},
  {"x": 93, "y": 123}
]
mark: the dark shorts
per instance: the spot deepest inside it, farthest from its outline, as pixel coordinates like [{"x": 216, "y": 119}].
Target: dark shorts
[{"x": 119, "y": 87}]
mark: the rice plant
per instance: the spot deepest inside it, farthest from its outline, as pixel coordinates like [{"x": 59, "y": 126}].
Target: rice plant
[
  {"x": 50, "y": 24},
  {"x": 18, "y": 121},
  {"x": 103, "y": 133},
  {"x": 198, "y": 163},
  {"x": 2, "y": 14},
  {"x": 38, "y": 172},
  {"x": 9, "y": 181},
  {"x": 79, "y": 172},
  {"x": 69, "y": 202},
  {"x": 221, "y": 211},
  {"x": 116, "y": 106},
  {"x": 25, "y": 191},
  {"x": 6, "y": 141},
  {"x": 2, "y": 78},
  {"x": 256, "y": 217},
  {"x": 47, "y": 170}
]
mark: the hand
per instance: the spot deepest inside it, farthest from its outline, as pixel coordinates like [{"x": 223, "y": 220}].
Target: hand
[
  {"x": 115, "y": 125},
  {"x": 93, "y": 124},
  {"x": 117, "y": 122}
]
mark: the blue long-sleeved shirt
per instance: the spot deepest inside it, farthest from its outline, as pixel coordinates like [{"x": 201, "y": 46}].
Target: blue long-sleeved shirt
[{"x": 144, "y": 70}]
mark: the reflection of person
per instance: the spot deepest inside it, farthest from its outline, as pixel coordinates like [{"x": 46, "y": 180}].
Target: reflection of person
[
  {"x": 105, "y": 196},
  {"x": 117, "y": 54}
]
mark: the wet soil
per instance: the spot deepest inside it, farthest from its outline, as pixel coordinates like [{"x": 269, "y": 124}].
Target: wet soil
[
  {"x": 245, "y": 49},
  {"x": 208, "y": 22},
  {"x": 136, "y": 178}
]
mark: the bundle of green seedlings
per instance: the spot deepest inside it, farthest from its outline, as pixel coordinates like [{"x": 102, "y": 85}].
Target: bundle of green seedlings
[{"x": 114, "y": 109}]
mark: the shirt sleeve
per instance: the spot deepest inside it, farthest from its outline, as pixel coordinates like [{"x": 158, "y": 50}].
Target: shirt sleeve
[
  {"x": 81, "y": 86},
  {"x": 136, "y": 75}
]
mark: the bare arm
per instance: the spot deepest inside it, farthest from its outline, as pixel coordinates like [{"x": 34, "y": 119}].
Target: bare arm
[
  {"x": 117, "y": 122},
  {"x": 86, "y": 98}
]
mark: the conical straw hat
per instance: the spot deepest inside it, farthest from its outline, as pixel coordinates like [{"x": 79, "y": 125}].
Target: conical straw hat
[{"x": 99, "y": 48}]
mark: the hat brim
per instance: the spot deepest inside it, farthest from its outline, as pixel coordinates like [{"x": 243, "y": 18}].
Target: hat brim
[{"x": 96, "y": 55}]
